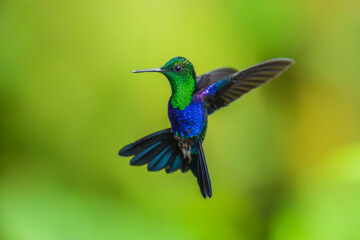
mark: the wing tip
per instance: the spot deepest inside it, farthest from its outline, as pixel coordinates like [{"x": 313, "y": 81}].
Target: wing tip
[{"x": 287, "y": 61}]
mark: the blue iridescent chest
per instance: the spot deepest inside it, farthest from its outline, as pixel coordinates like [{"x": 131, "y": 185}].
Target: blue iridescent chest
[{"x": 190, "y": 122}]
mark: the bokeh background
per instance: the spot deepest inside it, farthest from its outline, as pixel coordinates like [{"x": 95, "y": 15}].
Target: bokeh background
[{"x": 284, "y": 159}]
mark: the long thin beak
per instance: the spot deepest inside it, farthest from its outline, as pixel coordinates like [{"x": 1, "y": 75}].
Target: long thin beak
[{"x": 149, "y": 70}]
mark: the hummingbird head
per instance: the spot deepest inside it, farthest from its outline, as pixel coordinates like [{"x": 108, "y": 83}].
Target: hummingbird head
[
  {"x": 177, "y": 68},
  {"x": 181, "y": 75}
]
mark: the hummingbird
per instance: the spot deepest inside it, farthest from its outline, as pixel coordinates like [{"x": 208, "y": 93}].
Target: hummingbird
[{"x": 192, "y": 100}]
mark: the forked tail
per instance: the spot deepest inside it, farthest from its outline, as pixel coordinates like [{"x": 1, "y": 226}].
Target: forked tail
[{"x": 160, "y": 150}]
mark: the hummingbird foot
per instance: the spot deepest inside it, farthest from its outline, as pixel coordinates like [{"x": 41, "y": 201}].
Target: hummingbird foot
[{"x": 185, "y": 146}]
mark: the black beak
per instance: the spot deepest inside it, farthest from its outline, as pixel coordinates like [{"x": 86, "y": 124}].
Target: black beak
[{"x": 149, "y": 70}]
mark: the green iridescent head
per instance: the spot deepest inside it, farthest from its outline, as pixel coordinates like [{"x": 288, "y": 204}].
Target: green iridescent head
[
  {"x": 181, "y": 75},
  {"x": 179, "y": 67}
]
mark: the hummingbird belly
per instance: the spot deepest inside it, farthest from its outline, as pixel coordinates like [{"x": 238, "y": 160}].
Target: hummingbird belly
[{"x": 190, "y": 122}]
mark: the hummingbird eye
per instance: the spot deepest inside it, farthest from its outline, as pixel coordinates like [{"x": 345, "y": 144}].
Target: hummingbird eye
[{"x": 177, "y": 68}]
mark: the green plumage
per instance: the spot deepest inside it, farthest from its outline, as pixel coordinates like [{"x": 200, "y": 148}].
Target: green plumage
[{"x": 182, "y": 84}]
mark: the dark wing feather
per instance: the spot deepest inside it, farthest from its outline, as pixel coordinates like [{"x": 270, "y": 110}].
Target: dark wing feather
[
  {"x": 205, "y": 80},
  {"x": 247, "y": 80}
]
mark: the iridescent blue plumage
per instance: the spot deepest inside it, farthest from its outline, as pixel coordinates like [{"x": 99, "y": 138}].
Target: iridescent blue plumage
[
  {"x": 192, "y": 100},
  {"x": 190, "y": 122}
]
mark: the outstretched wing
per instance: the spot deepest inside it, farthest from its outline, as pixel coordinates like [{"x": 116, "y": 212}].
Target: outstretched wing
[
  {"x": 230, "y": 88},
  {"x": 205, "y": 80}
]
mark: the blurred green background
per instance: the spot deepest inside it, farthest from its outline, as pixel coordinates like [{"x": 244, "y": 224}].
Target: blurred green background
[{"x": 284, "y": 159}]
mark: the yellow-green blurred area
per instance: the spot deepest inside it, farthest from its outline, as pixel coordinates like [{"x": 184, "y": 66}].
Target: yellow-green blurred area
[{"x": 284, "y": 159}]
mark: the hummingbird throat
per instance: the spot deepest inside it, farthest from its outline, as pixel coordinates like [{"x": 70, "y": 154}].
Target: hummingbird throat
[{"x": 182, "y": 94}]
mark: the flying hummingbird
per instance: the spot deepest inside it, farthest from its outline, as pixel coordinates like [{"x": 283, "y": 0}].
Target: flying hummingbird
[{"x": 193, "y": 99}]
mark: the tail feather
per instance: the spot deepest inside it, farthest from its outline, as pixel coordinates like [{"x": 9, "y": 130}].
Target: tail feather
[
  {"x": 160, "y": 161},
  {"x": 160, "y": 150},
  {"x": 141, "y": 159},
  {"x": 145, "y": 142},
  {"x": 200, "y": 180},
  {"x": 175, "y": 162},
  {"x": 199, "y": 168}
]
